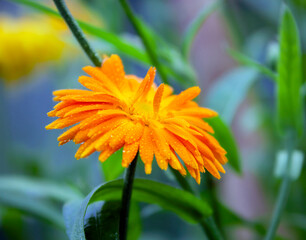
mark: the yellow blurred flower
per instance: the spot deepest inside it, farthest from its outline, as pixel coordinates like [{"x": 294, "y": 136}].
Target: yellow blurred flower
[
  {"x": 30, "y": 40},
  {"x": 25, "y": 42}
]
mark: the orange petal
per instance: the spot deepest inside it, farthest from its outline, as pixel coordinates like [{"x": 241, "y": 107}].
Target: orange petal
[
  {"x": 87, "y": 107},
  {"x": 145, "y": 85},
  {"x": 65, "y": 92},
  {"x": 184, "y": 97},
  {"x": 108, "y": 83},
  {"x": 81, "y": 136},
  {"x": 129, "y": 153},
  {"x": 113, "y": 69},
  {"x": 219, "y": 166},
  {"x": 105, "y": 126},
  {"x": 212, "y": 169},
  {"x": 157, "y": 98},
  {"x": 160, "y": 159},
  {"x": 101, "y": 116},
  {"x": 178, "y": 131},
  {"x": 212, "y": 143},
  {"x": 181, "y": 150},
  {"x": 118, "y": 134},
  {"x": 106, "y": 154},
  {"x": 195, "y": 173},
  {"x": 102, "y": 141},
  {"x": 160, "y": 142},
  {"x": 69, "y": 134},
  {"x": 91, "y": 84},
  {"x": 68, "y": 121},
  {"x": 63, "y": 104},
  {"x": 83, "y": 147},
  {"x": 176, "y": 164},
  {"x": 135, "y": 133},
  {"x": 177, "y": 121},
  {"x": 94, "y": 97},
  {"x": 198, "y": 112},
  {"x": 197, "y": 122},
  {"x": 146, "y": 150},
  {"x": 204, "y": 149}
]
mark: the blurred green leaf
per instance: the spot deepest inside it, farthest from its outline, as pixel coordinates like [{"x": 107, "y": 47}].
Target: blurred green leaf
[
  {"x": 112, "y": 168},
  {"x": 230, "y": 90},
  {"x": 297, "y": 220},
  {"x": 105, "y": 222},
  {"x": 226, "y": 139},
  {"x": 230, "y": 218},
  {"x": 31, "y": 196},
  {"x": 289, "y": 98},
  {"x": 196, "y": 24},
  {"x": 33, "y": 207},
  {"x": 70, "y": 214},
  {"x": 40, "y": 188},
  {"x": 12, "y": 224},
  {"x": 186, "y": 205},
  {"x": 242, "y": 59}
]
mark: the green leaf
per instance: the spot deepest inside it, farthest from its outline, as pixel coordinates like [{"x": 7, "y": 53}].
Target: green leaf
[
  {"x": 39, "y": 188},
  {"x": 186, "y": 205},
  {"x": 104, "y": 224},
  {"x": 112, "y": 168},
  {"x": 30, "y": 196},
  {"x": 289, "y": 97},
  {"x": 196, "y": 24},
  {"x": 12, "y": 224},
  {"x": 228, "y": 93},
  {"x": 226, "y": 139},
  {"x": 33, "y": 207},
  {"x": 242, "y": 59}
]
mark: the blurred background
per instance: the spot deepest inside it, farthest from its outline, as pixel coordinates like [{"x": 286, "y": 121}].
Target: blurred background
[{"x": 38, "y": 55}]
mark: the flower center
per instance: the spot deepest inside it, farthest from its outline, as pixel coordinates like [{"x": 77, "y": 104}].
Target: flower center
[{"x": 143, "y": 108}]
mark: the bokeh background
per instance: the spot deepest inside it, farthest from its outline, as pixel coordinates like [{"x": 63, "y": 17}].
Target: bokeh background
[{"x": 39, "y": 55}]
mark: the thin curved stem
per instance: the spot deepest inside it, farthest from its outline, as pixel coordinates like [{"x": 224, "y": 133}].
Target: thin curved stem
[
  {"x": 126, "y": 199},
  {"x": 284, "y": 190},
  {"x": 146, "y": 42},
  {"x": 279, "y": 207},
  {"x": 211, "y": 229},
  {"x": 77, "y": 32}
]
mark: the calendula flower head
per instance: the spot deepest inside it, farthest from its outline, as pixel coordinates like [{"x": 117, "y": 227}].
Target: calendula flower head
[{"x": 124, "y": 111}]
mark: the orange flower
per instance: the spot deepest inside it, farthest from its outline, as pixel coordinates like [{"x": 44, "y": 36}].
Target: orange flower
[{"x": 125, "y": 111}]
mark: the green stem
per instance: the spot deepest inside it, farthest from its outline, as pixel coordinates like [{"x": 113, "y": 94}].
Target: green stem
[
  {"x": 283, "y": 192},
  {"x": 280, "y": 205},
  {"x": 208, "y": 225},
  {"x": 126, "y": 199},
  {"x": 146, "y": 42},
  {"x": 77, "y": 32},
  {"x": 214, "y": 201}
]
